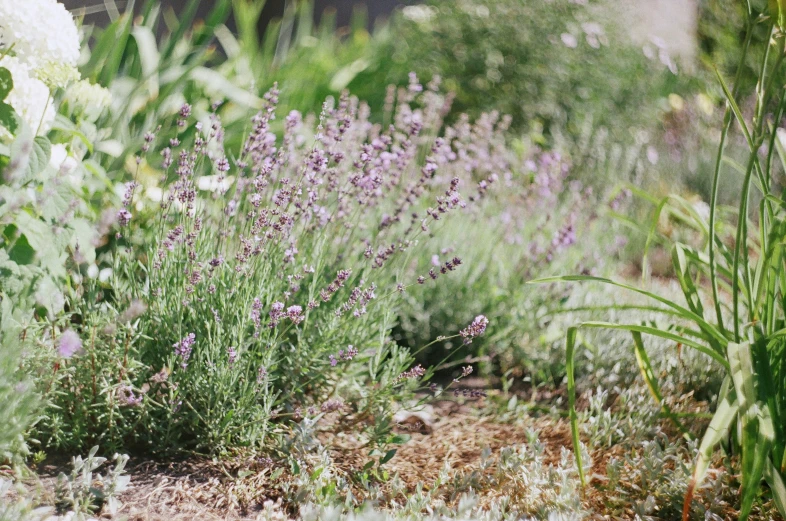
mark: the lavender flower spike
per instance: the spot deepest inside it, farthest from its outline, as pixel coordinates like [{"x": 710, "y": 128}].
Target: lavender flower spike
[
  {"x": 70, "y": 344},
  {"x": 475, "y": 329},
  {"x": 183, "y": 348}
]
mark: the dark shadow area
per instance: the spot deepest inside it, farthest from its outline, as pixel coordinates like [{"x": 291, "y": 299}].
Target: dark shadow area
[{"x": 100, "y": 12}]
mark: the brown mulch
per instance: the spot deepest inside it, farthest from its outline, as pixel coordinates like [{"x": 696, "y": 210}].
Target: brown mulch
[{"x": 236, "y": 489}]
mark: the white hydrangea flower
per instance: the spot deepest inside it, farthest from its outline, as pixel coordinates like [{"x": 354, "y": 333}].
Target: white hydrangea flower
[
  {"x": 88, "y": 99},
  {"x": 42, "y": 32},
  {"x": 30, "y": 97}
]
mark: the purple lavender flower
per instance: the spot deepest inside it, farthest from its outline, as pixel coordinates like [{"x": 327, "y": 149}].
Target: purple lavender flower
[
  {"x": 184, "y": 347},
  {"x": 276, "y": 313},
  {"x": 127, "y": 396},
  {"x": 222, "y": 165},
  {"x": 295, "y": 314},
  {"x": 343, "y": 355},
  {"x": 261, "y": 374},
  {"x": 415, "y": 372},
  {"x": 349, "y": 354},
  {"x": 70, "y": 344},
  {"x": 475, "y": 329},
  {"x": 232, "y": 355},
  {"x": 123, "y": 217},
  {"x": 332, "y": 405}
]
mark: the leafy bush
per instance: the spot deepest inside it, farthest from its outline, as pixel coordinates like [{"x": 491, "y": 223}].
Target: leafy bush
[
  {"x": 517, "y": 241},
  {"x": 520, "y": 58},
  {"x": 245, "y": 283}
]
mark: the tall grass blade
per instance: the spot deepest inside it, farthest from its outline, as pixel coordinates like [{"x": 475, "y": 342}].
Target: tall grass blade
[
  {"x": 716, "y": 432},
  {"x": 652, "y": 382},
  {"x": 570, "y": 369}
]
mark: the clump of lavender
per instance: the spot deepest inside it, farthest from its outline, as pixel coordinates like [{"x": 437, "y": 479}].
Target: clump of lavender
[
  {"x": 332, "y": 405},
  {"x": 475, "y": 329},
  {"x": 304, "y": 233}
]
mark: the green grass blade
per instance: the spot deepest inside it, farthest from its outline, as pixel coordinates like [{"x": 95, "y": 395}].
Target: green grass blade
[
  {"x": 681, "y": 267},
  {"x": 777, "y": 487},
  {"x": 652, "y": 381},
  {"x": 719, "y": 339},
  {"x": 184, "y": 22},
  {"x": 570, "y": 369},
  {"x": 654, "y": 331},
  {"x": 716, "y": 431}
]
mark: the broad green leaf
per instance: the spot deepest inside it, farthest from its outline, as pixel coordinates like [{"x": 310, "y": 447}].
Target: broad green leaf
[
  {"x": 6, "y": 83},
  {"x": 8, "y": 118},
  {"x": 757, "y": 429},
  {"x": 29, "y": 156},
  {"x": 148, "y": 50},
  {"x": 388, "y": 456}
]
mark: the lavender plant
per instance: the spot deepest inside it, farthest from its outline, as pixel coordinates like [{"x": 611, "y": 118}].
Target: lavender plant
[
  {"x": 256, "y": 286},
  {"x": 518, "y": 241}
]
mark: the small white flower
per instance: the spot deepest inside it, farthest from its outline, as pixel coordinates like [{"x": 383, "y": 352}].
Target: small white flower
[
  {"x": 569, "y": 40},
  {"x": 703, "y": 209}
]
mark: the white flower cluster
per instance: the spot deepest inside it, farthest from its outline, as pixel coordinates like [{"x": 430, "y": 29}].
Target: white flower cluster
[
  {"x": 87, "y": 99},
  {"x": 42, "y": 32},
  {"x": 39, "y": 45},
  {"x": 30, "y": 97}
]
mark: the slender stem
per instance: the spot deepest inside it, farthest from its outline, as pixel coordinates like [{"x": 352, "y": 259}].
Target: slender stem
[{"x": 715, "y": 183}]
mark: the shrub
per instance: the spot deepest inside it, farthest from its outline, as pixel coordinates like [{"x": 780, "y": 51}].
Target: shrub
[
  {"x": 520, "y": 58},
  {"x": 259, "y": 285}
]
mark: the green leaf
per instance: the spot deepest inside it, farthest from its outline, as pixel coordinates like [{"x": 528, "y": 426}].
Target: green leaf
[
  {"x": 148, "y": 50},
  {"x": 659, "y": 333},
  {"x": 388, "y": 456},
  {"x": 9, "y": 118},
  {"x": 214, "y": 80},
  {"x": 717, "y": 338},
  {"x": 777, "y": 486},
  {"x": 29, "y": 156},
  {"x": 757, "y": 430},
  {"x": 6, "y": 83},
  {"x": 652, "y": 382},
  {"x": 716, "y": 431},
  {"x": 570, "y": 369}
]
